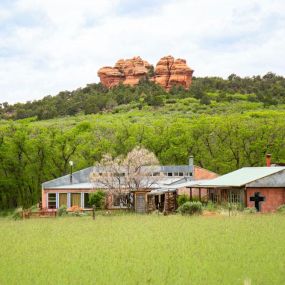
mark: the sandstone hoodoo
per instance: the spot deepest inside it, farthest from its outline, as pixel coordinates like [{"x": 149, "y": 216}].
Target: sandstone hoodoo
[
  {"x": 167, "y": 73},
  {"x": 170, "y": 72},
  {"x": 128, "y": 71}
]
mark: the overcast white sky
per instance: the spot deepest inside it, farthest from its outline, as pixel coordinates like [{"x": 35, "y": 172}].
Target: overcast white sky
[{"x": 51, "y": 45}]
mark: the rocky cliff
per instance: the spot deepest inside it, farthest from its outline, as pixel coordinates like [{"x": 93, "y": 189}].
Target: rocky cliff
[{"x": 168, "y": 72}]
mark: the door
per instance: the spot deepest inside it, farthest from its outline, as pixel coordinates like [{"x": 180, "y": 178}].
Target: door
[{"x": 140, "y": 203}]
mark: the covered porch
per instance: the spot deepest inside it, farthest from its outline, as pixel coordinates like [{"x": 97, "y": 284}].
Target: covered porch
[{"x": 223, "y": 196}]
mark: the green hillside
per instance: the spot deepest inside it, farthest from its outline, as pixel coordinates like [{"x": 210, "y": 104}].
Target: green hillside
[{"x": 218, "y": 93}]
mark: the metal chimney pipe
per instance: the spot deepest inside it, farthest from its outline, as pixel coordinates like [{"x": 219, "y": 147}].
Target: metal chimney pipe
[
  {"x": 268, "y": 160},
  {"x": 191, "y": 167}
]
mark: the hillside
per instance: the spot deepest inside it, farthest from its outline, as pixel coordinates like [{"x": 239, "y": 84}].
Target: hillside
[{"x": 211, "y": 94}]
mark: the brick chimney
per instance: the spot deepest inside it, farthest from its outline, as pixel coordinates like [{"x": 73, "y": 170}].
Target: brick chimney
[{"x": 268, "y": 160}]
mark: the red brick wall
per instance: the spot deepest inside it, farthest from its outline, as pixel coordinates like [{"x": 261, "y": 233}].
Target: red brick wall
[
  {"x": 195, "y": 192},
  {"x": 274, "y": 197},
  {"x": 202, "y": 173}
]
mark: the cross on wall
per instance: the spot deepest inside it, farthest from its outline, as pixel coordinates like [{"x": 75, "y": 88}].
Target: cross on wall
[{"x": 257, "y": 198}]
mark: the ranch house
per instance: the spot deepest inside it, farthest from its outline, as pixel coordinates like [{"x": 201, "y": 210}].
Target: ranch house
[{"x": 158, "y": 192}]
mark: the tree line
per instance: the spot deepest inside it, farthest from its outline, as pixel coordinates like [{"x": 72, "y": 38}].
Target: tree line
[
  {"x": 95, "y": 98},
  {"x": 34, "y": 152}
]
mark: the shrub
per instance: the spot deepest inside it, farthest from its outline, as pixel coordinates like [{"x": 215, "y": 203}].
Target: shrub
[
  {"x": 74, "y": 209},
  {"x": 249, "y": 210},
  {"x": 97, "y": 199},
  {"x": 17, "y": 215},
  {"x": 191, "y": 208},
  {"x": 210, "y": 206},
  {"x": 62, "y": 211},
  {"x": 34, "y": 208},
  {"x": 181, "y": 199},
  {"x": 79, "y": 214},
  {"x": 281, "y": 209},
  {"x": 7, "y": 212}
]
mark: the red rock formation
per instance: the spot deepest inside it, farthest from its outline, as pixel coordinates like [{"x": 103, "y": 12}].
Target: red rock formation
[
  {"x": 128, "y": 71},
  {"x": 110, "y": 76},
  {"x": 168, "y": 72}
]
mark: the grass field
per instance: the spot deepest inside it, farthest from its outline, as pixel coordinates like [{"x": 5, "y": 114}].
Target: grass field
[{"x": 143, "y": 250}]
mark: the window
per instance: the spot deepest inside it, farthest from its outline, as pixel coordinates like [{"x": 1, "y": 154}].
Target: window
[
  {"x": 52, "y": 200},
  {"x": 180, "y": 173},
  {"x": 234, "y": 197},
  {"x": 75, "y": 199},
  {"x": 120, "y": 200},
  {"x": 62, "y": 199},
  {"x": 169, "y": 174},
  {"x": 86, "y": 201},
  {"x": 175, "y": 173},
  {"x": 156, "y": 174}
]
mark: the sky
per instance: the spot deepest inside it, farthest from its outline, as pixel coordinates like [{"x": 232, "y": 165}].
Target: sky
[{"x": 47, "y": 46}]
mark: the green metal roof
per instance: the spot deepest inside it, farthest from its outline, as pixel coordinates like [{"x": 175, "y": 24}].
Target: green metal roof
[{"x": 241, "y": 177}]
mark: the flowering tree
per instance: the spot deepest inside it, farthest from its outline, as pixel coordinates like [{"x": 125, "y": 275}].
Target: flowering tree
[
  {"x": 120, "y": 176},
  {"x": 140, "y": 165}
]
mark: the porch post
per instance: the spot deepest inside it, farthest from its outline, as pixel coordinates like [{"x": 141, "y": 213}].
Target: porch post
[
  {"x": 57, "y": 200},
  {"x": 243, "y": 198},
  {"x": 82, "y": 200},
  {"x": 68, "y": 200},
  {"x": 200, "y": 194},
  {"x": 47, "y": 200}
]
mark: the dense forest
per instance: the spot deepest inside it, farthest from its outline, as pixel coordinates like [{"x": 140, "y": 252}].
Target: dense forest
[
  {"x": 95, "y": 98},
  {"x": 225, "y": 124}
]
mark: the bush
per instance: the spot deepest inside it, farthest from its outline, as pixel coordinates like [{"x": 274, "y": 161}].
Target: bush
[
  {"x": 6, "y": 213},
  {"x": 191, "y": 208},
  {"x": 78, "y": 214},
  {"x": 34, "y": 208},
  {"x": 249, "y": 210},
  {"x": 97, "y": 199},
  {"x": 281, "y": 209},
  {"x": 74, "y": 209},
  {"x": 17, "y": 215},
  {"x": 210, "y": 206},
  {"x": 182, "y": 199},
  {"x": 62, "y": 211}
]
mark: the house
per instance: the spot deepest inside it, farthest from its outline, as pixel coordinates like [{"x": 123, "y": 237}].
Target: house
[
  {"x": 259, "y": 187},
  {"x": 74, "y": 189}
]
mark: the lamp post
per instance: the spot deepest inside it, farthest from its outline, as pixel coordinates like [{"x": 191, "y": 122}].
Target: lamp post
[{"x": 71, "y": 165}]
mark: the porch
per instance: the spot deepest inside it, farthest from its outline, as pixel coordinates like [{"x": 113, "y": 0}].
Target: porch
[{"x": 223, "y": 196}]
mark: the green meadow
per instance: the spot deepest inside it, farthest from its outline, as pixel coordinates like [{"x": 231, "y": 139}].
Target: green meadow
[{"x": 150, "y": 249}]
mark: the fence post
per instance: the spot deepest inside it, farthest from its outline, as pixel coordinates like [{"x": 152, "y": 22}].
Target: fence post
[{"x": 94, "y": 209}]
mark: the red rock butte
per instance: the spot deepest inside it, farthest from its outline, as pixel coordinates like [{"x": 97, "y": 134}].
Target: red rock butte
[{"x": 167, "y": 73}]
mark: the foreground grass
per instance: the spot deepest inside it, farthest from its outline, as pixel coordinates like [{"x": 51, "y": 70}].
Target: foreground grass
[{"x": 143, "y": 250}]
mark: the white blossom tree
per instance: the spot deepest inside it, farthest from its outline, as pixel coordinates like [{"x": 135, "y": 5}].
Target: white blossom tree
[{"x": 121, "y": 176}]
